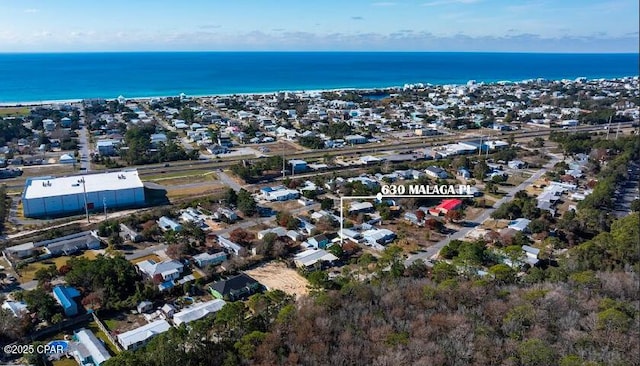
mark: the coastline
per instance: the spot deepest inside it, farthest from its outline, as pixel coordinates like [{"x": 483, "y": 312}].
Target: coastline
[{"x": 36, "y": 103}]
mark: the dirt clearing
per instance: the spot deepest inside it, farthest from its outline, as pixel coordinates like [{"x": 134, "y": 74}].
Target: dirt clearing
[{"x": 277, "y": 276}]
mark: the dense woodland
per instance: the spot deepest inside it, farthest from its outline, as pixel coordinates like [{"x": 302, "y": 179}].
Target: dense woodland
[{"x": 584, "y": 311}]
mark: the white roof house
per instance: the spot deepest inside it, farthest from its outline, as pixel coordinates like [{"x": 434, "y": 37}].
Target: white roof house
[
  {"x": 139, "y": 336},
  {"x": 17, "y": 308},
  {"x": 170, "y": 269},
  {"x": 197, "y": 311},
  {"x": 360, "y": 206},
  {"x": 89, "y": 349},
  {"x": 519, "y": 224},
  {"x": 311, "y": 256},
  {"x": 67, "y": 159},
  {"x": 49, "y": 186}
]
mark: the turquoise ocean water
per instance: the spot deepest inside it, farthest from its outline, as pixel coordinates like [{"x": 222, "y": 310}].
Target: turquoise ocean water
[{"x": 36, "y": 77}]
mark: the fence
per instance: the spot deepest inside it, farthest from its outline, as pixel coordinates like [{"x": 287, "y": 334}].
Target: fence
[{"x": 104, "y": 329}]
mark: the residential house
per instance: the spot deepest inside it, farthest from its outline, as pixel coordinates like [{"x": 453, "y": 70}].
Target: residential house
[
  {"x": 318, "y": 241},
  {"x": 129, "y": 234},
  {"x": 231, "y": 246},
  {"x": 531, "y": 254},
  {"x": 314, "y": 258},
  {"x": 355, "y": 139},
  {"x": 17, "y": 308},
  {"x": 225, "y": 214},
  {"x": 158, "y": 138},
  {"x": 235, "y": 288},
  {"x": 167, "y": 224},
  {"x": 360, "y": 207},
  {"x": 378, "y": 238},
  {"x": 352, "y": 235},
  {"x": 20, "y": 251},
  {"x": 168, "y": 270},
  {"x": 107, "y": 147},
  {"x": 436, "y": 172},
  {"x": 197, "y": 311},
  {"x": 298, "y": 166},
  {"x": 70, "y": 244},
  {"x": 138, "y": 337},
  {"x": 516, "y": 164},
  {"x": 168, "y": 310},
  {"x": 464, "y": 173},
  {"x": 446, "y": 206},
  {"x": 87, "y": 349},
  {"x": 519, "y": 224},
  {"x": 281, "y": 195},
  {"x": 278, "y": 231},
  {"x": 144, "y": 306},
  {"x": 207, "y": 259},
  {"x": 65, "y": 296}
]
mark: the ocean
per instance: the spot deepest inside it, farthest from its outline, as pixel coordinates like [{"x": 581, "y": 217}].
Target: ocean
[{"x": 33, "y": 77}]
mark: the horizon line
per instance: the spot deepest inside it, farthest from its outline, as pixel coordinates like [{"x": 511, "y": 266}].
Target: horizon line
[{"x": 324, "y": 51}]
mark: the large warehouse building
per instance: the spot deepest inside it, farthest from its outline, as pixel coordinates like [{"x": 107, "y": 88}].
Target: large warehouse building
[{"x": 51, "y": 197}]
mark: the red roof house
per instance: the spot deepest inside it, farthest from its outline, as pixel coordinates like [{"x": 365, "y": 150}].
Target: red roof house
[{"x": 446, "y": 206}]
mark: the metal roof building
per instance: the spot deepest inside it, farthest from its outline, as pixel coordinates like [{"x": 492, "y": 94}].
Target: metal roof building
[
  {"x": 49, "y": 196},
  {"x": 198, "y": 311},
  {"x": 136, "y": 338}
]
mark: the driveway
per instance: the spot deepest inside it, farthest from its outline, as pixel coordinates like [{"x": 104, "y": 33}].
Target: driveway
[{"x": 144, "y": 252}]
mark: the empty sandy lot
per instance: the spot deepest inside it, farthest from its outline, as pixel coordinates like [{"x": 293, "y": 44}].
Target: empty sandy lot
[{"x": 277, "y": 276}]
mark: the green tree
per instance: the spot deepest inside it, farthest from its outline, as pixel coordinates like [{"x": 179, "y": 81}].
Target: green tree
[
  {"x": 442, "y": 271},
  {"x": 480, "y": 170},
  {"x": 536, "y": 352},
  {"x": 247, "y": 345},
  {"x": 231, "y": 197},
  {"x": 318, "y": 279},
  {"x": 246, "y": 203},
  {"x": 42, "y": 303},
  {"x": 116, "y": 277},
  {"x": 326, "y": 204},
  {"x": 502, "y": 273}
]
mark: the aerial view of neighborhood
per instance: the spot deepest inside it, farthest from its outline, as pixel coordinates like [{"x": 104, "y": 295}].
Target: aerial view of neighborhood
[{"x": 436, "y": 183}]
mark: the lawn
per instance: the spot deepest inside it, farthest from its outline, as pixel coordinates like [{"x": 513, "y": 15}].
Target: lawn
[
  {"x": 103, "y": 337},
  {"x": 14, "y": 111},
  {"x": 28, "y": 273},
  {"x": 65, "y": 362},
  {"x": 152, "y": 257},
  {"x": 516, "y": 179}
]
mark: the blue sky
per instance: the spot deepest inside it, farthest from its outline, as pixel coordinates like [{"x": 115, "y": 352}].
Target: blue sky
[{"x": 320, "y": 25}]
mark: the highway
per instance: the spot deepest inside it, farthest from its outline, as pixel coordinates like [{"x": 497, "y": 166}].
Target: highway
[{"x": 14, "y": 184}]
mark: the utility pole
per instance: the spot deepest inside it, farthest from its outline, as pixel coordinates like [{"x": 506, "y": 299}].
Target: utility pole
[
  {"x": 104, "y": 204},
  {"x": 608, "y": 127},
  {"x": 617, "y": 130},
  {"x": 284, "y": 169},
  {"x": 84, "y": 189}
]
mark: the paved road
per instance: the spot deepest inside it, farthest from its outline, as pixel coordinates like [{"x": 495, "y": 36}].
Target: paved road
[
  {"x": 627, "y": 192},
  {"x": 434, "y": 249},
  {"x": 227, "y": 180},
  {"x": 83, "y": 139}
]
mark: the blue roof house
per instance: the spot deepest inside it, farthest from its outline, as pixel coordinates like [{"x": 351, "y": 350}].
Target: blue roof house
[{"x": 65, "y": 295}]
